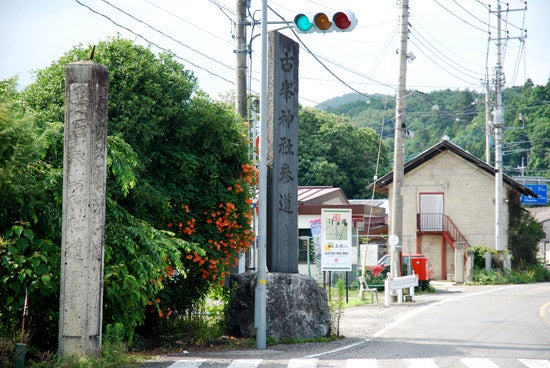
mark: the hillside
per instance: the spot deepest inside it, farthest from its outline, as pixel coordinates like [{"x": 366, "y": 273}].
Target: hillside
[{"x": 460, "y": 115}]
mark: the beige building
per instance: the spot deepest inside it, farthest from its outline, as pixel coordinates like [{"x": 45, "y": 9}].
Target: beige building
[{"x": 448, "y": 200}]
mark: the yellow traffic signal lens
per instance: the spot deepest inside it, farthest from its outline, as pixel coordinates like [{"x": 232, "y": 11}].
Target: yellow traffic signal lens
[{"x": 322, "y": 21}]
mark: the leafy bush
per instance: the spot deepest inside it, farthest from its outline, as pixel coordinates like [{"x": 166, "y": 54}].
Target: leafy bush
[
  {"x": 479, "y": 257},
  {"x": 536, "y": 273}
]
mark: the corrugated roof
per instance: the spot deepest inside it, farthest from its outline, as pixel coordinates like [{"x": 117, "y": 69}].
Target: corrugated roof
[{"x": 321, "y": 195}]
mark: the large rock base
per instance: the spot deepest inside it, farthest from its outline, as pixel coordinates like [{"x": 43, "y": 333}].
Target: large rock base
[{"x": 297, "y": 308}]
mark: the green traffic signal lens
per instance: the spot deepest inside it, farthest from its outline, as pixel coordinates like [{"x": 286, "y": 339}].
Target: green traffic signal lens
[{"x": 303, "y": 23}]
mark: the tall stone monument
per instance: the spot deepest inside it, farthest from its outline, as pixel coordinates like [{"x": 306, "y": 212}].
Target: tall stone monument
[
  {"x": 84, "y": 185},
  {"x": 282, "y": 155}
]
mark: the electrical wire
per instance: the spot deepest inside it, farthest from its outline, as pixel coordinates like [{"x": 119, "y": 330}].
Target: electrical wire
[
  {"x": 154, "y": 44},
  {"x": 472, "y": 15},
  {"x": 168, "y": 36},
  {"x": 459, "y": 18},
  {"x": 444, "y": 58},
  {"x": 186, "y": 21},
  {"x": 441, "y": 66},
  {"x": 417, "y": 24},
  {"x": 225, "y": 9},
  {"x": 323, "y": 64}
]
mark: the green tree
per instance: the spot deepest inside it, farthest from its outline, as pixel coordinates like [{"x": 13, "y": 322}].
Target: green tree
[
  {"x": 524, "y": 234},
  {"x": 334, "y": 152},
  {"x": 179, "y": 181}
]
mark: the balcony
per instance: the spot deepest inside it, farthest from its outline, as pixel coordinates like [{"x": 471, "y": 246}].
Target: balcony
[{"x": 440, "y": 224}]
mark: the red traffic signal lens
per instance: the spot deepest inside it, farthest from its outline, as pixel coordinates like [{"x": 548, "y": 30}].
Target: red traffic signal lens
[{"x": 341, "y": 20}]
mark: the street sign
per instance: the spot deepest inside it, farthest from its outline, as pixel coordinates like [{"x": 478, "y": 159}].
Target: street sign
[{"x": 540, "y": 190}]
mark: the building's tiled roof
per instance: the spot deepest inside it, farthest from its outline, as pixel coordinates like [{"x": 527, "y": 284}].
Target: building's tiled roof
[{"x": 447, "y": 145}]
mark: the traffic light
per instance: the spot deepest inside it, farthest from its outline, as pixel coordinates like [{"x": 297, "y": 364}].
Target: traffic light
[{"x": 341, "y": 21}]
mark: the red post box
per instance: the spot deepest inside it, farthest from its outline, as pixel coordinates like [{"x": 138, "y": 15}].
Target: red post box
[{"x": 420, "y": 268}]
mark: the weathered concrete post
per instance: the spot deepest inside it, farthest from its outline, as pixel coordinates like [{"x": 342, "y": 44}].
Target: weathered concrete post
[
  {"x": 282, "y": 155},
  {"x": 470, "y": 265},
  {"x": 459, "y": 261},
  {"x": 84, "y": 184},
  {"x": 488, "y": 261}
]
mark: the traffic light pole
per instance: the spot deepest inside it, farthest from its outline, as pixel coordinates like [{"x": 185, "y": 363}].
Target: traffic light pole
[
  {"x": 396, "y": 223},
  {"x": 241, "y": 52},
  {"x": 260, "y": 306}
]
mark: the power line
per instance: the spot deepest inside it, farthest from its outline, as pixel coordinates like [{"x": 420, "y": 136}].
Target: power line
[
  {"x": 416, "y": 24},
  {"x": 319, "y": 57},
  {"x": 168, "y": 36},
  {"x": 472, "y": 15},
  {"x": 440, "y": 66},
  {"x": 459, "y": 18},
  {"x": 186, "y": 21},
  {"x": 153, "y": 43},
  {"x": 444, "y": 58}
]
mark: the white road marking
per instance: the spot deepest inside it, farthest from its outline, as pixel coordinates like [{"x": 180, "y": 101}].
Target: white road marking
[
  {"x": 361, "y": 363},
  {"x": 187, "y": 363},
  {"x": 420, "y": 363},
  {"x": 535, "y": 363},
  {"x": 478, "y": 363},
  {"x": 302, "y": 363},
  {"x": 245, "y": 363}
]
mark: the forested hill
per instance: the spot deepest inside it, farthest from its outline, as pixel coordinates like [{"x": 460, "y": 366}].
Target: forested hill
[{"x": 460, "y": 115}]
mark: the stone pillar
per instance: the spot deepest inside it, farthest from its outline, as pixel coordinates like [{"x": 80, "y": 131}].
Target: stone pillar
[
  {"x": 470, "y": 265},
  {"x": 507, "y": 263},
  {"x": 459, "y": 261},
  {"x": 488, "y": 261},
  {"x": 282, "y": 155},
  {"x": 84, "y": 185}
]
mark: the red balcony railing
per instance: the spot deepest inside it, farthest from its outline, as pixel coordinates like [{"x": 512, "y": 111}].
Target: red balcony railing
[{"x": 438, "y": 222}]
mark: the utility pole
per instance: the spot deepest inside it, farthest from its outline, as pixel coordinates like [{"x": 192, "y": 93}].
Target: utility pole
[
  {"x": 488, "y": 122},
  {"x": 498, "y": 124},
  {"x": 396, "y": 223},
  {"x": 241, "y": 53},
  {"x": 501, "y": 243}
]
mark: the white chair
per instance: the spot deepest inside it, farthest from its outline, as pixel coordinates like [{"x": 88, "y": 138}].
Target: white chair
[{"x": 363, "y": 287}]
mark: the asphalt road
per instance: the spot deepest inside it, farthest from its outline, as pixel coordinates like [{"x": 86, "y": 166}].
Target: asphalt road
[{"x": 459, "y": 326}]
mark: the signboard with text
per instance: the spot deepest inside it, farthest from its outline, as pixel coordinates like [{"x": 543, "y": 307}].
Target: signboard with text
[
  {"x": 336, "y": 246},
  {"x": 540, "y": 190}
]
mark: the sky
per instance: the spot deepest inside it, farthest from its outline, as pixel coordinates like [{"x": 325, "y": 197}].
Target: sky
[{"x": 449, "y": 39}]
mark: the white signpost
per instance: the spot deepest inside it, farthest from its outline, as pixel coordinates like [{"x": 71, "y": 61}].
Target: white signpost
[{"x": 398, "y": 284}]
